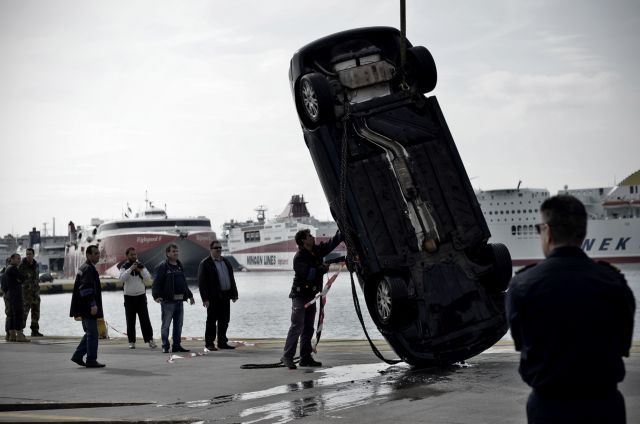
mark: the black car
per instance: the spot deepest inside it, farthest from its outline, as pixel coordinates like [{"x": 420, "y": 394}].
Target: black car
[{"x": 398, "y": 190}]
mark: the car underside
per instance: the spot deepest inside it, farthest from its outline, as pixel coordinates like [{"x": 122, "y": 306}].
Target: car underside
[{"x": 397, "y": 187}]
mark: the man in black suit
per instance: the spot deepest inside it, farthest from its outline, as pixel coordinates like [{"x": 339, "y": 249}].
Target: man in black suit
[
  {"x": 572, "y": 320},
  {"x": 217, "y": 288}
]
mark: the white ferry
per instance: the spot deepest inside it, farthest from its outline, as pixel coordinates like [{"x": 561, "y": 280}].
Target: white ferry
[
  {"x": 613, "y": 230},
  {"x": 148, "y": 232},
  {"x": 269, "y": 245}
]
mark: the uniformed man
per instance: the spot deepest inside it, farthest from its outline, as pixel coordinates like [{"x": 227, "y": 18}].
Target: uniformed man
[
  {"x": 30, "y": 291},
  {"x": 572, "y": 320}
]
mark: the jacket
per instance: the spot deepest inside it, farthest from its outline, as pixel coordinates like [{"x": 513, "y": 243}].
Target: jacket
[
  {"x": 209, "y": 282},
  {"x": 134, "y": 279},
  {"x": 309, "y": 268},
  {"x": 569, "y": 314},
  {"x": 164, "y": 283},
  {"x": 86, "y": 292},
  {"x": 29, "y": 272}
]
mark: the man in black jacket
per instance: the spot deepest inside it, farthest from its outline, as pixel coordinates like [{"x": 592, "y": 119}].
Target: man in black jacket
[
  {"x": 86, "y": 303},
  {"x": 14, "y": 293},
  {"x": 217, "y": 288},
  {"x": 170, "y": 290},
  {"x": 572, "y": 320},
  {"x": 309, "y": 268}
]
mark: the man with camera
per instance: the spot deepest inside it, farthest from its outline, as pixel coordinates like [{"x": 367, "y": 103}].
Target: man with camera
[{"x": 134, "y": 274}]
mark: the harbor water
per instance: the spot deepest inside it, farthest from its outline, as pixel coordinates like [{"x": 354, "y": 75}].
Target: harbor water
[{"x": 262, "y": 311}]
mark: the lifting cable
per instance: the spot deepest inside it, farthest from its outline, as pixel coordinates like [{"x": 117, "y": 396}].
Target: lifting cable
[{"x": 349, "y": 241}]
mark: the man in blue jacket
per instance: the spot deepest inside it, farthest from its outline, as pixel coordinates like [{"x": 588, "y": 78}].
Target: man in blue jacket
[
  {"x": 170, "y": 290},
  {"x": 86, "y": 303},
  {"x": 309, "y": 268}
]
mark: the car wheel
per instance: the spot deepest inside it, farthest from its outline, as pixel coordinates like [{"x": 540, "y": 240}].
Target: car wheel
[
  {"x": 421, "y": 69},
  {"x": 498, "y": 279},
  {"x": 385, "y": 300},
  {"x": 314, "y": 100}
]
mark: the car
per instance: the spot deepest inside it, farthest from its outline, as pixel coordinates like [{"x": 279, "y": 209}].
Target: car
[
  {"x": 45, "y": 277},
  {"x": 398, "y": 190}
]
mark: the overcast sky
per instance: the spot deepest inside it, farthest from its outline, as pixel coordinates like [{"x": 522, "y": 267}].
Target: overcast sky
[{"x": 190, "y": 100}]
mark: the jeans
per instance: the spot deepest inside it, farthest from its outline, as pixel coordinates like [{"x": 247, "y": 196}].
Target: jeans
[
  {"x": 301, "y": 327},
  {"x": 172, "y": 310},
  {"x": 137, "y": 305},
  {"x": 89, "y": 343}
]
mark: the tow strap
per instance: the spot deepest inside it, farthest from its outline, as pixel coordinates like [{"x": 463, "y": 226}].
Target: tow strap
[
  {"x": 356, "y": 304},
  {"x": 323, "y": 300}
]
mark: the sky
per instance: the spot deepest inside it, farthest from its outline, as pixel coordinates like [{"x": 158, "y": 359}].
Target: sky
[{"x": 189, "y": 101}]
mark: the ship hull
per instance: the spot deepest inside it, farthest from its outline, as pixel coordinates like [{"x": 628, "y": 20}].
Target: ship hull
[
  {"x": 150, "y": 247},
  {"x": 273, "y": 256},
  {"x": 611, "y": 240}
]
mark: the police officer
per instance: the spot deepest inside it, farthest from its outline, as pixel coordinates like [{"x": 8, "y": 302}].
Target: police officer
[
  {"x": 572, "y": 320},
  {"x": 31, "y": 291},
  {"x": 309, "y": 268}
]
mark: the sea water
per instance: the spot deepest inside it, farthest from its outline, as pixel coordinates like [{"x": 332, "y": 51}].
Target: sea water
[{"x": 263, "y": 310}]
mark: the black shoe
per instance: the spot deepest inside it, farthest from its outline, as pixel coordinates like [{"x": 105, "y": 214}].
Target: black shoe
[
  {"x": 225, "y": 346},
  {"x": 95, "y": 364},
  {"x": 211, "y": 348},
  {"x": 180, "y": 349},
  {"x": 309, "y": 362},
  {"x": 35, "y": 333},
  {"x": 165, "y": 349},
  {"x": 288, "y": 362},
  {"x": 78, "y": 361}
]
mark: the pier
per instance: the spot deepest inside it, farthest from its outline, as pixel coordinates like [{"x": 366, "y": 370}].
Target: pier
[{"x": 41, "y": 384}]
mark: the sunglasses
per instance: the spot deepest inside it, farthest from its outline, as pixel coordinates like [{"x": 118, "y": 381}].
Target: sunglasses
[
  {"x": 538, "y": 227},
  {"x": 217, "y": 248}
]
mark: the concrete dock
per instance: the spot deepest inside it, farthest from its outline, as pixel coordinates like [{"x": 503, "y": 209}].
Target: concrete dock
[{"x": 41, "y": 384}]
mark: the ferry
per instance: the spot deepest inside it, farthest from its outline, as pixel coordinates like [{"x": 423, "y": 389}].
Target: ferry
[
  {"x": 148, "y": 232},
  {"x": 613, "y": 228},
  {"x": 269, "y": 245}
]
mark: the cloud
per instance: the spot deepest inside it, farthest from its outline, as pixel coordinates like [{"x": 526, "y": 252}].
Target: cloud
[{"x": 542, "y": 90}]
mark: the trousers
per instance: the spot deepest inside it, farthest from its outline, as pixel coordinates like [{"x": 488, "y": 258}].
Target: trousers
[
  {"x": 137, "y": 305},
  {"x": 301, "y": 328}
]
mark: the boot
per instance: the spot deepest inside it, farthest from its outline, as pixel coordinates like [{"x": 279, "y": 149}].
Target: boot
[
  {"x": 20, "y": 337},
  {"x": 12, "y": 335}
]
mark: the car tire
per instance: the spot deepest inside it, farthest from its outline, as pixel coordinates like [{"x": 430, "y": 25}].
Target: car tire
[
  {"x": 498, "y": 279},
  {"x": 386, "y": 299},
  {"x": 421, "y": 69},
  {"x": 314, "y": 100}
]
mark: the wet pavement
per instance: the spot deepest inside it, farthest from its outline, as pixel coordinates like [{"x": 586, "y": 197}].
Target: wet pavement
[{"x": 40, "y": 384}]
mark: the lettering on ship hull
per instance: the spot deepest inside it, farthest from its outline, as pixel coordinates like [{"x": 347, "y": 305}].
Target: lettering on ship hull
[
  {"x": 144, "y": 239},
  {"x": 265, "y": 260},
  {"x": 605, "y": 244}
]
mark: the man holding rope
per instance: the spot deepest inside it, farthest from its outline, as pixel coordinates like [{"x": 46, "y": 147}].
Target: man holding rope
[{"x": 309, "y": 268}]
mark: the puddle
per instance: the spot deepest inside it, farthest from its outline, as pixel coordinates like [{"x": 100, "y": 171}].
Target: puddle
[{"x": 341, "y": 387}]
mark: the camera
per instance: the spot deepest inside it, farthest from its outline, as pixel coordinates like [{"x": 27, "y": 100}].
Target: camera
[{"x": 139, "y": 265}]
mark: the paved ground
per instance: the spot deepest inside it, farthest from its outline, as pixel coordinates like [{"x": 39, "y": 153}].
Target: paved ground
[{"x": 40, "y": 384}]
